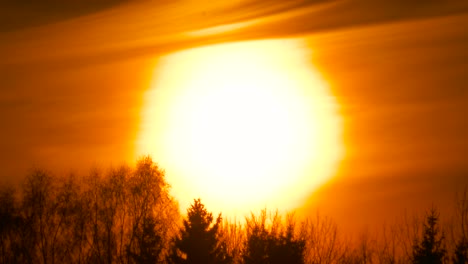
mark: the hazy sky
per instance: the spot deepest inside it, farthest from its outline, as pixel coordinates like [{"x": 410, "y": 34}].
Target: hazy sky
[{"x": 72, "y": 79}]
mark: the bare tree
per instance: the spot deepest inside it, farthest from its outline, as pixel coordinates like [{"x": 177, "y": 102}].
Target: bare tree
[
  {"x": 460, "y": 230},
  {"x": 232, "y": 237},
  {"x": 152, "y": 211},
  {"x": 270, "y": 240},
  {"x": 323, "y": 244},
  {"x": 39, "y": 207},
  {"x": 389, "y": 250}
]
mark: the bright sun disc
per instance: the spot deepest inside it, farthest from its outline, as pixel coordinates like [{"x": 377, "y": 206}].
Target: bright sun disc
[{"x": 243, "y": 126}]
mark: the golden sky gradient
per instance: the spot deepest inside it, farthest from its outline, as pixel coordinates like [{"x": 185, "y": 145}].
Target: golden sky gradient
[{"x": 73, "y": 79}]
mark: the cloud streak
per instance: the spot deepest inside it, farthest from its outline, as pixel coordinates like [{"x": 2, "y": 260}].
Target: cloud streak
[{"x": 149, "y": 28}]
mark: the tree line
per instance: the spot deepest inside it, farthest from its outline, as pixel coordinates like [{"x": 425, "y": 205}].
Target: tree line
[{"x": 126, "y": 215}]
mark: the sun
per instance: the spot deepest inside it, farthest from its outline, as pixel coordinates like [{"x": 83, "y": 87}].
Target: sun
[{"x": 244, "y": 125}]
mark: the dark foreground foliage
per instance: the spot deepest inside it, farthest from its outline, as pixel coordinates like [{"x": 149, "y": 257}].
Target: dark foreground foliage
[
  {"x": 127, "y": 215},
  {"x": 198, "y": 240}
]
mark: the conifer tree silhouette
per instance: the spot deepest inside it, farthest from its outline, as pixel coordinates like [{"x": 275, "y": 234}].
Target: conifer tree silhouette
[
  {"x": 198, "y": 240},
  {"x": 431, "y": 248}
]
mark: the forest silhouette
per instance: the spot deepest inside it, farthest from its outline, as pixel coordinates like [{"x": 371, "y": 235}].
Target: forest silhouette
[{"x": 127, "y": 215}]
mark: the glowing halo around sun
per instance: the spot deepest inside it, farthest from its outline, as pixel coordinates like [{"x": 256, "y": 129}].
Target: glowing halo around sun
[{"x": 243, "y": 125}]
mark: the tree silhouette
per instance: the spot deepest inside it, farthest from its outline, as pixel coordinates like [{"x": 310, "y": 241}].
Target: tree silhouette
[
  {"x": 323, "y": 244},
  {"x": 39, "y": 208},
  {"x": 149, "y": 243},
  {"x": 153, "y": 213},
  {"x": 127, "y": 215},
  {"x": 461, "y": 247},
  {"x": 461, "y": 252},
  {"x": 431, "y": 248},
  {"x": 277, "y": 243},
  {"x": 198, "y": 240},
  {"x": 11, "y": 225}
]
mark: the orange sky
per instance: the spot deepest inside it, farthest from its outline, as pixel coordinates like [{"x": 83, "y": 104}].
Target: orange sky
[{"x": 72, "y": 79}]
